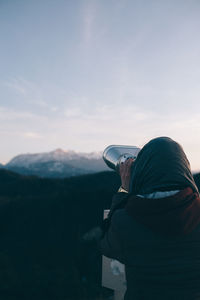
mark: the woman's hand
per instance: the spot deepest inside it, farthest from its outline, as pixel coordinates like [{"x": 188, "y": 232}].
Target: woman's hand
[{"x": 125, "y": 173}]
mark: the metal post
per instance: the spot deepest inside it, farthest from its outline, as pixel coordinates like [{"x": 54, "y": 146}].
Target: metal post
[
  {"x": 118, "y": 295},
  {"x": 113, "y": 274}
]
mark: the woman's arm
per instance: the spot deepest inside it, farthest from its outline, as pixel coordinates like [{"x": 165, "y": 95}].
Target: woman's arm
[{"x": 110, "y": 243}]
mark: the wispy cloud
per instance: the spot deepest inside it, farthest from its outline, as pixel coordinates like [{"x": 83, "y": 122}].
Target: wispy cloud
[
  {"x": 29, "y": 91},
  {"x": 17, "y": 86},
  {"x": 32, "y": 135},
  {"x": 89, "y": 14},
  {"x": 94, "y": 130},
  {"x": 73, "y": 112},
  {"x": 7, "y": 114}
]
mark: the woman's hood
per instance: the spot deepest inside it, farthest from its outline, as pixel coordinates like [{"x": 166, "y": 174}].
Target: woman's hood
[{"x": 161, "y": 165}]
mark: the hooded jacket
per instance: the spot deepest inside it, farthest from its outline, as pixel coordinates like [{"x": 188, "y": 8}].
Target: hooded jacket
[{"x": 157, "y": 238}]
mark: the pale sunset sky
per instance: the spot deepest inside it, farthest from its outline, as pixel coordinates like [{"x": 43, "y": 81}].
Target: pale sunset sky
[{"x": 83, "y": 74}]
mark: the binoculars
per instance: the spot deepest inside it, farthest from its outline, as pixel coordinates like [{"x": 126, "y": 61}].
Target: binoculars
[{"x": 114, "y": 155}]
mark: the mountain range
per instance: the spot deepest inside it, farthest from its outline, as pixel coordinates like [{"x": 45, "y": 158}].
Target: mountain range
[{"x": 57, "y": 163}]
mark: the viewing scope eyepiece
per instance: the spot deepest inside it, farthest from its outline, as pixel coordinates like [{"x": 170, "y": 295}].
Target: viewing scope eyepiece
[{"x": 114, "y": 155}]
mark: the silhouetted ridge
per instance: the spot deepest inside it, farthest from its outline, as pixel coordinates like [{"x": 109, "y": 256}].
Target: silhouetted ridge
[{"x": 42, "y": 222}]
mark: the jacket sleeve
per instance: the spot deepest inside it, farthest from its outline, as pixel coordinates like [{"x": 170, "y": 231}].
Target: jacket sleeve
[
  {"x": 111, "y": 244},
  {"x": 118, "y": 201}
]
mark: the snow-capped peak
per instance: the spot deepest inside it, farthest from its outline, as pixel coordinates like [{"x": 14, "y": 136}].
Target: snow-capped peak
[{"x": 25, "y": 160}]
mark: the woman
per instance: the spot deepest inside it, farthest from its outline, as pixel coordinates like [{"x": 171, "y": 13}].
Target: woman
[{"x": 154, "y": 224}]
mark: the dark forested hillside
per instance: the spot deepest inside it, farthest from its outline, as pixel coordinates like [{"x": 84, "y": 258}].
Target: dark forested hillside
[{"x": 42, "y": 221}]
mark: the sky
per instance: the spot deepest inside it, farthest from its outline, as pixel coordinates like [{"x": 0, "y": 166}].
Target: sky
[{"x": 81, "y": 75}]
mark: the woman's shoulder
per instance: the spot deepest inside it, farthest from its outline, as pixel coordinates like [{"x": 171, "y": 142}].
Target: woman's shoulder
[{"x": 128, "y": 228}]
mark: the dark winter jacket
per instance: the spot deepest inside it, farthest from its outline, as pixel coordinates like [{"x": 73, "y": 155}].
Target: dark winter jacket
[
  {"x": 158, "y": 239},
  {"x": 157, "y": 266}
]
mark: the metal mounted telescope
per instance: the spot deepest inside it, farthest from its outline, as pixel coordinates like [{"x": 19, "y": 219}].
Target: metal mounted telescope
[{"x": 114, "y": 155}]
